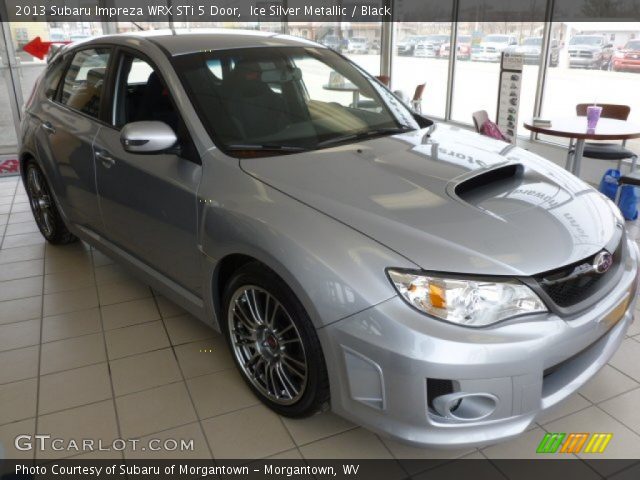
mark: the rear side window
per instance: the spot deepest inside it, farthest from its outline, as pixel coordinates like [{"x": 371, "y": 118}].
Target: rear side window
[
  {"x": 84, "y": 82},
  {"x": 53, "y": 76}
]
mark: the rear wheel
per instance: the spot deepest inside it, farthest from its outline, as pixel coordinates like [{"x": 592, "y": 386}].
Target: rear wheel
[
  {"x": 44, "y": 209},
  {"x": 274, "y": 344}
]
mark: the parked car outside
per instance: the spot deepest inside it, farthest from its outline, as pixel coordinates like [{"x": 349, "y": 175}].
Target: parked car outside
[
  {"x": 491, "y": 47},
  {"x": 627, "y": 58},
  {"x": 531, "y": 50},
  {"x": 374, "y": 46},
  {"x": 463, "y": 51},
  {"x": 333, "y": 42},
  {"x": 358, "y": 45},
  {"x": 430, "y": 46},
  {"x": 590, "y": 51},
  {"x": 445, "y": 299},
  {"x": 407, "y": 46}
]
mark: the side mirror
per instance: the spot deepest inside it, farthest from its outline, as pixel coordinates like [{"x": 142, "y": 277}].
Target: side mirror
[{"x": 147, "y": 137}]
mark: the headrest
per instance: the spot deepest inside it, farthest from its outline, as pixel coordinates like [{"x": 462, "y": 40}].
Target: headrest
[{"x": 96, "y": 75}]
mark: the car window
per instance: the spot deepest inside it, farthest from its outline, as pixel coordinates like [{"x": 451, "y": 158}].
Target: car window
[
  {"x": 290, "y": 98},
  {"x": 142, "y": 94},
  {"x": 83, "y": 84},
  {"x": 496, "y": 39}
]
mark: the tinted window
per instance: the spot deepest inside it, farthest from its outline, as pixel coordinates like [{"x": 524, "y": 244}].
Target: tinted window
[
  {"x": 142, "y": 94},
  {"x": 586, "y": 41},
  {"x": 287, "y": 97},
  {"x": 84, "y": 82},
  {"x": 633, "y": 45}
]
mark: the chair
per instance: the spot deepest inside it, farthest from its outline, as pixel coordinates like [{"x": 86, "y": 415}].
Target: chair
[
  {"x": 605, "y": 151},
  {"x": 384, "y": 79},
  {"x": 479, "y": 118},
  {"x": 416, "y": 101}
]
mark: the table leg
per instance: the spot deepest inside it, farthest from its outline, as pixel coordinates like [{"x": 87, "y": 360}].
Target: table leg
[
  {"x": 568, "y": 166},
  {"x": 577, "y": 157},
  {"x": 356, "y": 98}
]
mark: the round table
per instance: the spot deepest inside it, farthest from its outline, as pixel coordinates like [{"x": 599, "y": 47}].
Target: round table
[{"x": 576, "y": 128}]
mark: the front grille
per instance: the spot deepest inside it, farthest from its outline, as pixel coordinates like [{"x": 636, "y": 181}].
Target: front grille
[
  {"x": 581, "y": 53},
  {"x": 579, "y": 288}
]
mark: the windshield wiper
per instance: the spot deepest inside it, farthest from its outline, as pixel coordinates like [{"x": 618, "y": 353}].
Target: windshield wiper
[
  {"x": 266, "y": 147},
  {"x": 375, "y": 132}
]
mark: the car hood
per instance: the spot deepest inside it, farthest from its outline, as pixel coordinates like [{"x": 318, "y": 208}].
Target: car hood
[
  {"x": 450, "y": 205},
  {"x": 584, "y": 47},
  {"x": 527, "y": 49}
]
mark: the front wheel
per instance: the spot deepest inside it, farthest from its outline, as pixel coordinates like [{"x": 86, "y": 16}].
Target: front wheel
[
  {"x": 274, "y": 343},
  {"x": 44, "y": 209}
]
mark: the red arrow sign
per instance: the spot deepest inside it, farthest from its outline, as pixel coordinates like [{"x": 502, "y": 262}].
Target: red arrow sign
[{"x": 38, "y": 48}]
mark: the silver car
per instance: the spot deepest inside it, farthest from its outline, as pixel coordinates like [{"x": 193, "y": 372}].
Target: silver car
[{"x": 426, "y": 282}]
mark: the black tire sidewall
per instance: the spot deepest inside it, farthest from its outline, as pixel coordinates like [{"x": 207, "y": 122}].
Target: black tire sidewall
[
  {"x": 316, "y": 392},
  {"x": 60, "y": 234}
]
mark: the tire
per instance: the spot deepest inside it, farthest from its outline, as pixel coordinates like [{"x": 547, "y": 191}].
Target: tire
[
  {"x": 44, "y": 208},
  {"x": 283, "y": 342}
]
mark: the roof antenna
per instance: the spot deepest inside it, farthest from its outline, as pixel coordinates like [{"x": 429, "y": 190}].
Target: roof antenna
[{"x": 139, "y": 27}]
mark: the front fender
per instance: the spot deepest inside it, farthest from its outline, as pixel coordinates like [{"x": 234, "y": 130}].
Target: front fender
[{"x": 334, "y": 270}]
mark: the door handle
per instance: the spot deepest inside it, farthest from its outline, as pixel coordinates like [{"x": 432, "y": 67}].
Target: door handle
[
  {"x": 47, "y": 127},
  {"x": 107, "y": 160}
]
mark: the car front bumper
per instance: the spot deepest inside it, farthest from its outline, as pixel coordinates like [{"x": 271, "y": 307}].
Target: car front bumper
[
  {"x": 486, "y": 57},
  {"x": 379, "y": 361},
  {"x": 584, "y": 62},
  {"x": 426, "y": 53},
  {"x": 626, "y": 64}
]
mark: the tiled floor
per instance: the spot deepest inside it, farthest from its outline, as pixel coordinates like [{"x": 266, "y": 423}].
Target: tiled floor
[{"x": 86, "y": 351}]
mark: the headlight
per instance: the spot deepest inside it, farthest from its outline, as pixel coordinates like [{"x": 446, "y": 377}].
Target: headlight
[{"x": 472, "y": 303}]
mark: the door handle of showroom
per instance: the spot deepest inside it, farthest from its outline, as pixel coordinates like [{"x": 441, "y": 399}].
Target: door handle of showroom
[
  {"x": 47, "y": 127},
  {"x": 106, "y": 159}
]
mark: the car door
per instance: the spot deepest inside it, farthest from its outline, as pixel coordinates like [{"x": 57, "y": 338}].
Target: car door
[
  {"x": 69, "y": 121},
  {"x": 148, "y": 201}
]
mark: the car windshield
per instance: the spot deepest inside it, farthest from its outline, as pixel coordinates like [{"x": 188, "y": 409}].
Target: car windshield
[
  {"x": 496, "y": 39},
  {"x": 583, "y": 40},
  {"x": 275, "y": 100},
  {"x": 358, "y": 40},
  {"x": 634, "y": 45},
  {"x": 532, "y": 41}
]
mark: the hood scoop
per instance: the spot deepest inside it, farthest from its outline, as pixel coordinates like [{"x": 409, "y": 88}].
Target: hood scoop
[{"x": 489, "y": 183}]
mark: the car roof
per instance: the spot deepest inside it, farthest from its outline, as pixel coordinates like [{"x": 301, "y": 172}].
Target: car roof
[{"x": 181, "y": 42}]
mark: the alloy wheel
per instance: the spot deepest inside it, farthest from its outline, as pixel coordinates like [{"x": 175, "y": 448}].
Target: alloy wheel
[
  {"x": 40, "y": 200},
  {"x": 267, "y": 345}
]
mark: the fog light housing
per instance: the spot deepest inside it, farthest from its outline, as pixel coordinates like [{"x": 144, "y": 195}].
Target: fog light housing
[{"x": 465, "y": 407}]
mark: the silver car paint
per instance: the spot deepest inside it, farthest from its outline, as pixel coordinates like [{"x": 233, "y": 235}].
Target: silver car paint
[{"x": 329, "y": 223}]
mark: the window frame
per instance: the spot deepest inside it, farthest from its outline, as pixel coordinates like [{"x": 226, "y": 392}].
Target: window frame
[{"x": 64, "y": 59}]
